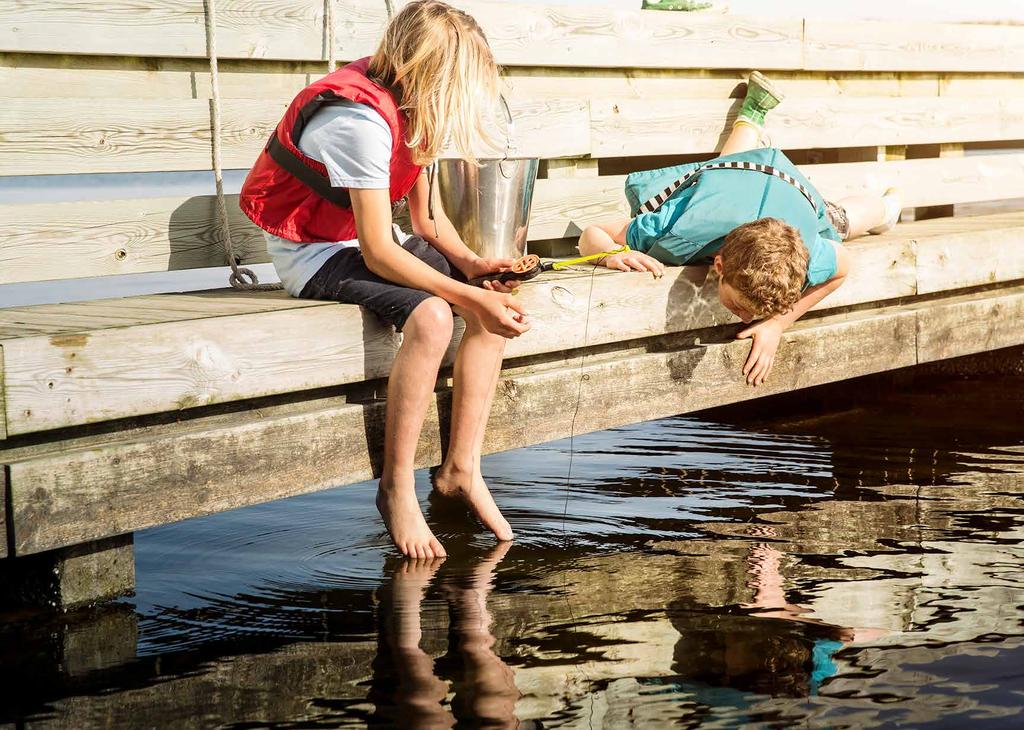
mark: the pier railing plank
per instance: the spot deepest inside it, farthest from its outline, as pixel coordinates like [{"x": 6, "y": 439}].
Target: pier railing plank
[
  {"x": 554, "y": 35},
  {"x": 629, "y": 127},
  {"x": 58, "y": 493},
  {"x": 145, "y": 135},
  {"x": 82, "y": 239},
  {"x": 886, "y": 45}
]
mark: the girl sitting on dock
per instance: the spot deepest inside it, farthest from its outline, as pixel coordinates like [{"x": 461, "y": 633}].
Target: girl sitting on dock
[
  {"x": 770, "y": 236},
  {"x": 350, "y": 148}
]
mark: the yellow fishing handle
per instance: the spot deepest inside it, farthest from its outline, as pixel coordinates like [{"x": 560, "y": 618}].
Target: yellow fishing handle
[{"x": 584, "y": 259}]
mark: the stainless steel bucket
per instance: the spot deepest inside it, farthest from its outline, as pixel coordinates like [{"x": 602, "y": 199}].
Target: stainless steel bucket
[{"x": 490, "y": 204}]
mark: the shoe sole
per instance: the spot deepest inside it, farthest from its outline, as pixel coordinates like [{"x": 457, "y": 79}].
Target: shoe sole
[{"x": 761, "y": 80}]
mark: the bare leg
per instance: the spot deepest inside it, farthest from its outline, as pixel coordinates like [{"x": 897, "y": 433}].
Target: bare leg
[
  {"x": 743, "y": 137},
  {"x": 864, "y": 212},
  {"x": 419, "y": 694},
  {"x": 410, "y": 385},
  {"x": 476, "y": 376},
  {"x": 488, "y": 691}
]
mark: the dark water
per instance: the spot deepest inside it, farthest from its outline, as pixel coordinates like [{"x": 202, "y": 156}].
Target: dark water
[{"x": 862, "y": 568}]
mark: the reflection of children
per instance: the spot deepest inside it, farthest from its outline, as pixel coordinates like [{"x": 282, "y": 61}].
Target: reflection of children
[
  {"x": 350, "y": 147},
  {"x": 406, "y": 688},
  {"x": 774, "y": 245}
]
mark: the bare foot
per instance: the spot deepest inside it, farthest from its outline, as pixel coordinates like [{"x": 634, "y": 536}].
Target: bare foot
[
  {"x": 471, "y": 488},
  {"x": 404, "y": 520}
]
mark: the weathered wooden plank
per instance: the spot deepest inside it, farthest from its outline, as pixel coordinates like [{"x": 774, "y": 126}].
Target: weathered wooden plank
[
  {"x": 969, "y": 324},
  {"x": 597, "y": 83},
  {"x": 293, "y": 29},
  {"x": 628, "y": 127},
  {"x": 75, "y": 494},
  {"x": 3, "y": 508},
  {"x": 86, "y": 375},
  {"x": 981, "y": 257},
  {"x": 27, "y": 75},
  {"x": 117, "y": 371},
  {"x": 148, "y": 134},
  {"x": 83, "y": 239},
  {"x": 100, "y": 238},
  {"x": 924, "y": 182},
  {"x": 286, "y": 29},
  {"x": 3, "y": 403},
  {"x": 889, "y": 46}
]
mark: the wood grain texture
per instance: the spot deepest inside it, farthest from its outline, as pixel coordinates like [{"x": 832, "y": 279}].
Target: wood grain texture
[
  {"x": 75, "y": 240},
  {"x": 282, "y": 29},
  {"x": 79, "y": 493},
  {"x": 163, "y": 135},
  {"x": 889, "y": 46},
  {"x": 969, "y": 324},
  {"x": 101, "y": 238},
  {"x": 630, "y": 127},
  {"x": 99, "y": 367},
  {"x": 3, "y": 511},
  {"x": 520, "y": 34},
  {"x": 293, "y": 29}
]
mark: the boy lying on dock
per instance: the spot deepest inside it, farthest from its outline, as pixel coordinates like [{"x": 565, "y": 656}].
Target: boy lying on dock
[{"x": 772, "y": 239}]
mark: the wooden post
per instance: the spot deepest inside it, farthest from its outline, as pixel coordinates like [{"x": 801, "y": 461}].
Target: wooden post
[
  {"x": 934, "y": 150},
  {"x": 561, "y": 169},
  {"x": 72, "y": 577}
]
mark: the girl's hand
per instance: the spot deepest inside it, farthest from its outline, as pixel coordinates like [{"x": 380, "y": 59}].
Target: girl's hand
[
  {"x": 634, "y": 261},
  {"x": 500, "y": 313},
  {"x": 483, "y": 266},
  {"x": 765, "y": 335}
]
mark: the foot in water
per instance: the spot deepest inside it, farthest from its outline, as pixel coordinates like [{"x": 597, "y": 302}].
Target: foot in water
[
  {"x": 409, "y": 532},
  {"x": 470, "y": 487}
]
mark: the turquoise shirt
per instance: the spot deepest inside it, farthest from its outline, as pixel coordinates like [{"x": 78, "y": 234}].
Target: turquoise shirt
[{"x": 690, "y": 227}]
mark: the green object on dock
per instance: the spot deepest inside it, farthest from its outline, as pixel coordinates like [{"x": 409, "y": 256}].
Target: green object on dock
[{"x": 681, "y": 5}]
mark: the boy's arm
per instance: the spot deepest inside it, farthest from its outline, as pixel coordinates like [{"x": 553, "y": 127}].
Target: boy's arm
[
  {"x": 441, "y": 234},
  {"x": 767, "y": 333},
  {"x": 612, "y": 236}
]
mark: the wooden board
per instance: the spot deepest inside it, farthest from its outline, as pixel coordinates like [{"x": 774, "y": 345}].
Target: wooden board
[
  {"x": 119, "y": 371},
  {"x": 84, "y": 239},
  {"x": 3, "y": 511},
  {"x": 100, "y": 238},
  {"x": 520, "y": 34},
  {"x": 969, "y": 324},
  {"x": 85, "y": 375},
  {"x": 886, "y": 46},
  {"x": 630, "y": 127},
  {"x": 293, "y": 29},
  {"x": 147, "y": 134},
  {"x": 76, "y": 494}
]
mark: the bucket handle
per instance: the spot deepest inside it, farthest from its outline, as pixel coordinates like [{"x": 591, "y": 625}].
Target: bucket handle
[{"x": 510, "y": 131}]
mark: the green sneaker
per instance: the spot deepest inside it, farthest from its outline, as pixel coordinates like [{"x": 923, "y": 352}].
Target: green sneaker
[
  {"x": 683, "y": 5},
  {"x": 762, "y": 96}
]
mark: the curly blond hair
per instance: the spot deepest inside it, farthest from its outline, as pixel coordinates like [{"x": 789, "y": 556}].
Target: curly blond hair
[
  {"x": 765, "y": 261},
  {"x": 440, "y": 60}
]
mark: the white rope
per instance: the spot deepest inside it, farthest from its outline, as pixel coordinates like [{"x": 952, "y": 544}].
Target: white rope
[
  {"x": 332, "y": 59},
  {"x": 240, "y": 277}
]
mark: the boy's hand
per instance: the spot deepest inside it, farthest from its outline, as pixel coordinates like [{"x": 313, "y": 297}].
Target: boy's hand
[
  {"x": 484, "y": 266},
  {"x": 765, "y": 335},
  {"x": 634, "y": 261}
]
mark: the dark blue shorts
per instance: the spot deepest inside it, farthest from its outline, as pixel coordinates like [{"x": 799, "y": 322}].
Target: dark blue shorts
[{"x": 346, "y": 278}]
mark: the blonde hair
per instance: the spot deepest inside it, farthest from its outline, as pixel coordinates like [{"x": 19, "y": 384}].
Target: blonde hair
[
  {"x": 765, "y": 261},
  {"x": 437, "y": 59}
]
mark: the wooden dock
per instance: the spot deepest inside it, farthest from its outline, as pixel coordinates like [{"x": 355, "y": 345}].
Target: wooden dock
[{"x": 122, "y": 414}]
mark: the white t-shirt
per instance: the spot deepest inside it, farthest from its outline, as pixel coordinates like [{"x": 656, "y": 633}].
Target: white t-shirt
[{"x": 354, "y": 142}]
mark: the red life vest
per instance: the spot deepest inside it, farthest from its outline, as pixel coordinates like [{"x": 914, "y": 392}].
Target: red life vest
[{"x": 289, "y": 194}]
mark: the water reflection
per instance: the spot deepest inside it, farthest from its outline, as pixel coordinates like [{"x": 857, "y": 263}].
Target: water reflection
[
  {"x": 406, "y": 688},
  {"x": 857, "y": 569}
]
